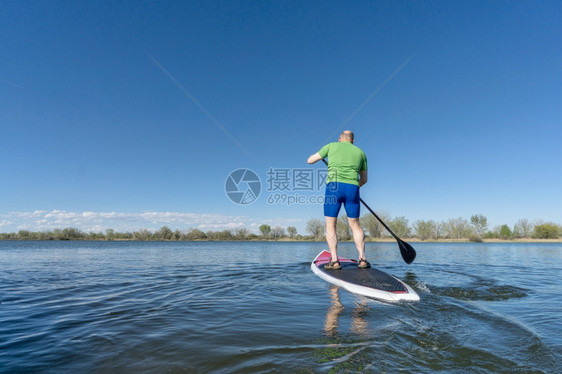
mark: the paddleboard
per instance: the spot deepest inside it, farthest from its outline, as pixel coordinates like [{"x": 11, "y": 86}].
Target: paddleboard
[{"x": 369, "y": 282}]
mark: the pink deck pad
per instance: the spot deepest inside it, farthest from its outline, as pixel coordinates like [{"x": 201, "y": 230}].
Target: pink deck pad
[{"x": 325, "y": 257}]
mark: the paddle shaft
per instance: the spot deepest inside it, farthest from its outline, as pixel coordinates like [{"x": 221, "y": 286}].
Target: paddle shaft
[{"x": 380, "y": 220}]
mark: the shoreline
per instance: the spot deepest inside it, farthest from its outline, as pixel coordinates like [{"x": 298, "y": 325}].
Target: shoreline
[{"x": 302, "y": 240}]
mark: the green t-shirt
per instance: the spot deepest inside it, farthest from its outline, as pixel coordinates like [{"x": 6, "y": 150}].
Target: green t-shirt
[{"x": 345, "y": 161}]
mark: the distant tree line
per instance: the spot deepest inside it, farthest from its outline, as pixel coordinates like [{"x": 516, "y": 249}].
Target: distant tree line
[
  {"x": 460, "y": 228},
  {"x": 476, "y": 229},
  {"x": 164, "y": 233}
]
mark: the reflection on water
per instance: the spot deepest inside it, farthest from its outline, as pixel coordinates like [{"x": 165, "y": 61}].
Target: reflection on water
[
  {"x": 359, "y": 324},
  {"x": 334, "y": 311}
]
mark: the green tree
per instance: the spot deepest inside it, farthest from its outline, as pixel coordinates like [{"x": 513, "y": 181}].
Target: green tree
[
  {"x": 372, "y": 225},
  {"x": 277, "y": 232},
  {"x": 124, "y": 235},
  {"x": 241, "y": 233},
  {"x": 400, "y": 227},
  {"x": 71, "y": 233},
  {"x": 424, "y": 230},
  {"x": 110, "y": 234},
  {"x": 265, "y": 231},
  {"x": 479, "y": 224},
  {"x": 24, "y": 235},
  {"x": 523, "y": 228},
  {"x": 316, "y": 228},
  {"x": 369, "y": 224},
  {"x": 292, "y": 231},
  {"x": 165, "y": 233},
  {"x": 505, "y": 232},
  {"x": 219, "y": 235},
  {"x": 456, "y": 228},
  {"x": 195, "y": 234},
  {"x": 546, "y": 231},
  {"x": 142, "y": 235},
  {"x": 177, "y": 235},
  {"x": 97, "y": 236},
  {"x": 224, "y": 235}
]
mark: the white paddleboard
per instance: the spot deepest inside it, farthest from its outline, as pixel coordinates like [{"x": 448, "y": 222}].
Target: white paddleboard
[{"x": 369, "y": 282}]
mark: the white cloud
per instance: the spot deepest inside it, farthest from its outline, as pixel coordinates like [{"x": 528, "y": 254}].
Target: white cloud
[
  {"x": 5, "y": 222},
  {"x": 90, "y": 221},
  {"x": 120, "y": 221}
]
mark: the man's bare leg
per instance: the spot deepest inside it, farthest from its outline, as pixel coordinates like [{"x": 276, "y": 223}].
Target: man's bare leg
[
  {"x": 358, "y": 236},
  {"x": 332, "y": 236}
]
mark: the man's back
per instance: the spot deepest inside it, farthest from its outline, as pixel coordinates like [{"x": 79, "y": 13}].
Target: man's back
[{"x": 345, "y": 161}]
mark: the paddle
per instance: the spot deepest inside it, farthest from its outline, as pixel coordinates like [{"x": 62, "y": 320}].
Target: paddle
[{"x": 406, "y": 250}]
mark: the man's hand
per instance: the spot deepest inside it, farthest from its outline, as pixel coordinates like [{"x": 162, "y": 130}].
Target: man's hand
[{"x": 362, "y": 177}]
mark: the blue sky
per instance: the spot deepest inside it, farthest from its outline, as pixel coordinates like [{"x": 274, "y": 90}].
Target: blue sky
[{"x": 131, "y": 114}]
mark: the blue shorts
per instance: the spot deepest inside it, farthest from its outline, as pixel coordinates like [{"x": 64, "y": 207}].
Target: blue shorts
[{"x": 338, "y": 193}]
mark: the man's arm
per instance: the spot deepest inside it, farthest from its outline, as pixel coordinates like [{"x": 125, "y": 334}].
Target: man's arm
[
  {"x": 314, "y": 158},
  {"x": 362, "y": 177}
]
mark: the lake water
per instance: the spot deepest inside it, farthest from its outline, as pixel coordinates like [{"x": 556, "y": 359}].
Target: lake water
[{"x": 224, "y": 307}]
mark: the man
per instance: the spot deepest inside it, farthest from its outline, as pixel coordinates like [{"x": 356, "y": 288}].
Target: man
[{"x": 347, "y": 171}]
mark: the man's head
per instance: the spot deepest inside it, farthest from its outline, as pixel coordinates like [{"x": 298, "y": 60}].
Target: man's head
[{"x": 346, "y": 136}]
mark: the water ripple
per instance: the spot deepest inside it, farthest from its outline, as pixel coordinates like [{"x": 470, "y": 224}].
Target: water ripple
[{"x": 164, "y": 308}]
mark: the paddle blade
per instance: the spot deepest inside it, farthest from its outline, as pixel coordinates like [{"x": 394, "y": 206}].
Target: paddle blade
[{"x": 407, "y": 251}]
